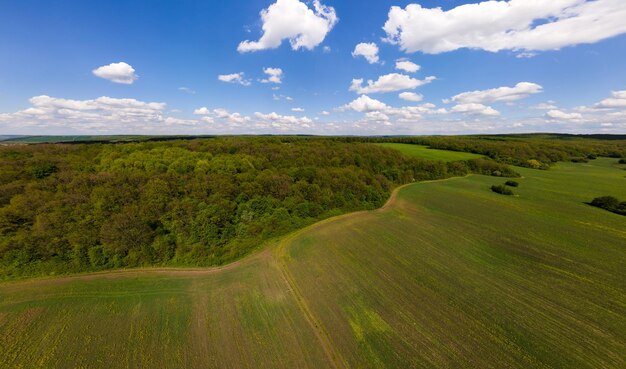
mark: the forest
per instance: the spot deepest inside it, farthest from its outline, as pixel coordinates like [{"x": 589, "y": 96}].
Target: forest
[
  {"x": 68, "y": 208},
  {"x": 537, "y": 151}
]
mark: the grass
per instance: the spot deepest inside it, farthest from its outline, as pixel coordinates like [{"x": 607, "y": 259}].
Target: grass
[
  {"x": 449, "y": 275},
  {"x": 457, "y": 276},
  {"x": 242, "y": 317},
  {"x": 423, "y": 152}
]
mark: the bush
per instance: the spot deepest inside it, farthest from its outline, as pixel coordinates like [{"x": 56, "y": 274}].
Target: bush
[
  {"x": 512, "y": 184},
  {"x": 605, "y": 202},
  {"x": 580, "y": 160},
  {"x": 502, "y": 190},
  {"x": 622, "y": 161},
  {"x": 609, "y": 203}
]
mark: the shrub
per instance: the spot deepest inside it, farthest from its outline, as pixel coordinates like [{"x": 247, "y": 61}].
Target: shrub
[
  {"x": 501, "y": 189},
  {"x": 605, "y": 202},
  {"x": 622, "y": 161},
  {"x": 609, "y": 203},
  {"x": 580, "y": 160},
  {"x": 512, "y": 184}
]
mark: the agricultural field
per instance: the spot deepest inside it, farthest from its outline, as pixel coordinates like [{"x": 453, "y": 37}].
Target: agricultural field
[
  {"x": 241, "y": 316},
  {"x": 447, "y": 274},
  {"x": 424, "y": 152},
  {"x": 454, "y": 275}
]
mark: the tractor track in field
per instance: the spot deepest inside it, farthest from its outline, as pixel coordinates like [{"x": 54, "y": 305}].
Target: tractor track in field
[
  {"x": 332, "y": 355},
  {"x": 278, "y": 252}
]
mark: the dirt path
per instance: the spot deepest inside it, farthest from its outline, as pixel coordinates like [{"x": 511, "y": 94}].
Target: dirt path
[
  {"x": 125, "y": 273},
  {"x": 199, "y": 325},
  {"x": 184, "y": 272},
  {"x": 332, "y": 355}
]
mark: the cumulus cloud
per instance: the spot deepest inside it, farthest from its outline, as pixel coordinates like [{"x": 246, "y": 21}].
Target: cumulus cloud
[
  {"x": 367, "y": 50},
  {"x": 388, "y": 83},
  {"x": 562, "y": 116},
  {"x": 202, "y": 111},
  {"x": 506, "y": 94},
  {"x": 234, "y": 78},
  {"x": 228, "y": 117},
  {"x": 274, "y": 75},
  {"x": 293, "y": 20},
  {"x": 407, "y": 66},
  {"x": 379, "y": 112},
  {"x": 297, "y": 110},
  {"x": 617, "y": 100},
  {"x": 522, "y": 25},
  {"x": 104, "y": 114},
  {"x": 325, "y": 113},
  {"x": 411, "y": 96},
  {"x": 117, "y": 72},
  {"x": 283, "y": 122},
  {"x": 475, "y": 109},
  {"x": 544, "y": 106},
  {"x": 364, "y": 104}
]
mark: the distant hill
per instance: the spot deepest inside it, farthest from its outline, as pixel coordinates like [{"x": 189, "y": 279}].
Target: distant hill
[
  {"x": 93, "y": 139},
  {"x": 9, "y": 137}
]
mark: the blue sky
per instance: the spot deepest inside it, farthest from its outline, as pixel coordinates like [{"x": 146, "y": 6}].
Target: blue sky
[{"x": 499, "y": 66}]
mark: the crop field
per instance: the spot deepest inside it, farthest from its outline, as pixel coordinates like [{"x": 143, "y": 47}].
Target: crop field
[
  {"x": 454, "y": 275},
  {"x": 424, "y": 152},
  {"x": 448, "y": 274}
]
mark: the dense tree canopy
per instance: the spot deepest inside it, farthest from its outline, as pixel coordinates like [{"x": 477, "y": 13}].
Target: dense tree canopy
[
  {"x": 68, "y": 208},
  {"x": 537, "y": 151}
]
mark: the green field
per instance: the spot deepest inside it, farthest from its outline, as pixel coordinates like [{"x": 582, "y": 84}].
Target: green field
[
  {"x": 423, "y": 152},
  {"x": 449, "y": 274}
]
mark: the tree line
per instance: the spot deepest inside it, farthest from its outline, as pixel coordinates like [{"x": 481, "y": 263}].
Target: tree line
[
  {"x": 84, "y": 207},
  {"x": 537, "y": 151}
]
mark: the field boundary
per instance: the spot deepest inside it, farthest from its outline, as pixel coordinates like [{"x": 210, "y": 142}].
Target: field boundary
[{"x": 193, "y": 271}]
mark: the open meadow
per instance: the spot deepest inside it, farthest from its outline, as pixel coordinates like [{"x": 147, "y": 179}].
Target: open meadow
[
  {"x": 447, "y": 274},
  {"x": 424, "y": 152}
]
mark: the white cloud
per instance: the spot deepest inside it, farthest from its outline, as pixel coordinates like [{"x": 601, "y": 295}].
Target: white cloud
[
  {"x": 407, "y": 66},
  {"x": 544, "y": 106},
  {"x": 388, "y": 83},
  {"x": 377, "y": 111},
  {"x": 187, "y": 90},
  {"x": 411, "y": 96},
  {"x": 297, "y": 110},
  {"x": 520, "y": 91},
  {"x": 475, "y": 109},
  {"x": 230, "y": 118},
  {"x": 560, "y": 115},
  {"x": 327, "y": 49},
  {"x": 365, "y": 104},
  {"x": 282, "y": 122},
  {"x": 104, "y": 114},
  {"x": 202, "y": 111},
  {"x": 280, "y": 97},
  {"x": 117, "y": 72},
  {"x": 293, "y": 20},
  {"x": 367, "y": 50},
  {"x": 234, "y": 78},
  {"x": 617, "y": 100},
  {"x": 325, "y": 113},
  {"x": 523, "y": 25},
  {"x": 274, "y": 75}
]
